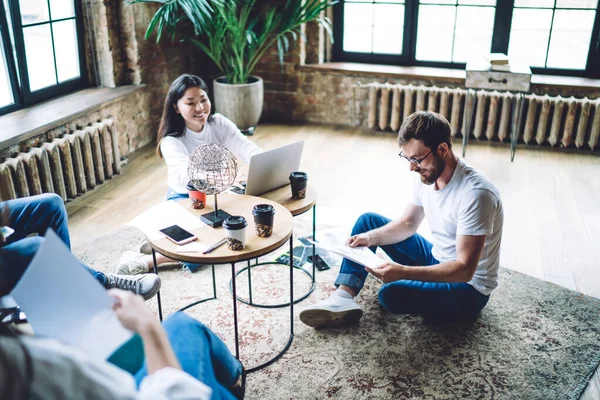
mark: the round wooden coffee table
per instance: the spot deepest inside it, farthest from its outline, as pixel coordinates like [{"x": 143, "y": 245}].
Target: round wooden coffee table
[{"x": 255, "y": 247}]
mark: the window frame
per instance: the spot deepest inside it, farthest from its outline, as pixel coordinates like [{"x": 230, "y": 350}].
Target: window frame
[
  {"x": 500, "y": 42},
  {"x": 22, "y": 94}
]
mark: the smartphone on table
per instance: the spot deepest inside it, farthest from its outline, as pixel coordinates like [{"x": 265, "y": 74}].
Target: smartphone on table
[{"x": 178, "y": 235}]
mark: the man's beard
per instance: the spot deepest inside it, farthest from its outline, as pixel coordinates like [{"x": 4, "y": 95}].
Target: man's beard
[{"x": 438, "y": 164}]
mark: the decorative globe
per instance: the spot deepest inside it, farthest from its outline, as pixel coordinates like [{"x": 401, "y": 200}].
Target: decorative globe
[{"x": 212, "y": 168}]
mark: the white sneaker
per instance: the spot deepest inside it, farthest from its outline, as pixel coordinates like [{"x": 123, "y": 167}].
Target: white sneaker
[
  {"x": 333, "y": 311},
  {"x": 131, "y": 263},
  {"x": 145, "y": 247}
]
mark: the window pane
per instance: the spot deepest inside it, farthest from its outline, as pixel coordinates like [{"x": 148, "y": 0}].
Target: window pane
[
  {"x": 529, "y": 36},
  {"x": 570, "y": 40},
  {"x": 40, "y": 60},
  {"x": 388, "y": 28},
  {"x": 358, "y": 27},
  {"x": 6, "y": 97},
  {"x": 65, "y": 43},
  {"x": 534, "y": 3},
  {"x": 577, "y": 4},
  {"x": 435, "y": 33},
  {"x": 478, "y": 2},
  {"x": 390, "y": 1},
  {"x": 474, "y": 28},
  {"x": 452, "y": 2},
  {"x": 62, "y": 9},
  {"x": 33, "y": 11}
]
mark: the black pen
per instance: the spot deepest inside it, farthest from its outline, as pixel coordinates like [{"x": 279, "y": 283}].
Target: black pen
[{"x": 214, "y": 246}]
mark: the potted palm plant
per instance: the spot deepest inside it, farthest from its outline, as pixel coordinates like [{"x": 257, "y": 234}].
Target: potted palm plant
[{"x": 235, "y": 35}]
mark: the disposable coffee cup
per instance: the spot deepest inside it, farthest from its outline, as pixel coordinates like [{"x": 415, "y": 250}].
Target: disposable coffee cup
[
  {"x": 235, "y": 232},
  {"x": 298, "y": 181},
  {"x": 197, "y": 198},
  {"x": 264, "y": 215}
]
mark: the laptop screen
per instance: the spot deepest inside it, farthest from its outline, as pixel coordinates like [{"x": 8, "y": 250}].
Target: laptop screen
[{"x": 271, "y": 169}]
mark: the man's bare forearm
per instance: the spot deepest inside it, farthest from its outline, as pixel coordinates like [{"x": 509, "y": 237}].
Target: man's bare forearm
[
  {"x": 451, "y": 271},
  {"x": 394, "y": 232}
]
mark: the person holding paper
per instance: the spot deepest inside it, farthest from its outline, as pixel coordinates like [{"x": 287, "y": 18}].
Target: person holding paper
[
  {"x": 449, "y": 278},
  {"x": 188, "y": 121},
  {"x": 183, "y": 359},
  {"x": 35, "y": 215}
]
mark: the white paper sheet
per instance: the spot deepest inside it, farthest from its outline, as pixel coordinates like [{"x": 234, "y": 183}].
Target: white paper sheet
[
  {"x": 62, "y": 300},
  {"x": 162, "y": 215},
  {"x": 192, "y": 247},
  {"x": 361, "y": 255}
]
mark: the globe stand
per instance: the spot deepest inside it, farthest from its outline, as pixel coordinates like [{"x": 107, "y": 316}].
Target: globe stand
[{"x": 215, "y": 218}]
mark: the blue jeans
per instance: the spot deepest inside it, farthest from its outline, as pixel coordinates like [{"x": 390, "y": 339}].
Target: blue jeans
[
  {"x": 435, "y": 300},
  {"x": 201, "y": 353},
  {"x": 31, "y": 215},
  {"x": 173, "y": 195}
]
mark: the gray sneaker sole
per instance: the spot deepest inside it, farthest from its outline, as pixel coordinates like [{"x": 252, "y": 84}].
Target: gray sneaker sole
[{"x": 326, "y": 318}]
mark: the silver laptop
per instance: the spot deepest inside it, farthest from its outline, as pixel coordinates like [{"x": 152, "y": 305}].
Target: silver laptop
[{"x": 271, "y": 169}]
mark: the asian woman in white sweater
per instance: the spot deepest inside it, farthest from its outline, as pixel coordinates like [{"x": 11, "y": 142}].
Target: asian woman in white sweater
[{"x": 188, "y": 121}]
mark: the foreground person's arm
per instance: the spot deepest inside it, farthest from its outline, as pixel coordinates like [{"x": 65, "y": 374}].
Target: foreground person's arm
[{"x": 135, "y": 316}]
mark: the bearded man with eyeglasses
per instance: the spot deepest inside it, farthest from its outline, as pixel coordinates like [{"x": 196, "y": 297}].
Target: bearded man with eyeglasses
[{"x": 449, "y": 278}]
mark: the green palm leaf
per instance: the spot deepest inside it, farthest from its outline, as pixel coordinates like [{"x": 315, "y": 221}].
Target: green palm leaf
[{"x": 233, "y": 33}]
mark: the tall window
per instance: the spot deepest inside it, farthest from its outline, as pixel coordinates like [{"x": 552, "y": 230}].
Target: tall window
[
  {"x": 41, "y": 53},
  {"x": 551, "y": 36},
  {"x": 369, "y": 25},
  {"x": 450, "y": 31}
]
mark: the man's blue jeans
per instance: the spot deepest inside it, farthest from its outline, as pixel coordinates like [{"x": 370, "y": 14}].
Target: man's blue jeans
[
  {"x": 435, "y": 300},
  {"x": 31, "y": 215},
  {"x": 201, "y": 353}
]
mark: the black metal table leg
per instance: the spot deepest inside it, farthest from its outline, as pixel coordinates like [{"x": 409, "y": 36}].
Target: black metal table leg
[
  {"x": 235, "y": 318},
  {"x": 208, "y": 298},
  {"x": 157, "y": 293},
  {"x": 314, "y": 238},
  {"x": 250, "y": 283}
]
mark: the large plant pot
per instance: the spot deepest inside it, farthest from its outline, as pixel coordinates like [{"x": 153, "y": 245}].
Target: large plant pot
[{"x": 240, "y": 103}]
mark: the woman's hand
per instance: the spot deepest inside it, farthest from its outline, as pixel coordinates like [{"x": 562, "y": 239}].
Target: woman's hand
[
  {"x": 132, "y": 311},
  {"x": 362, "y": 239}
]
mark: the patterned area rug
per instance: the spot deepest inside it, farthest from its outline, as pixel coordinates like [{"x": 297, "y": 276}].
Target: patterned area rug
[{"x": 534, "y": 340}]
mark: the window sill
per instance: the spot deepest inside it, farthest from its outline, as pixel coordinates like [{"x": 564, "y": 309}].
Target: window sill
[
  {"x": 29, "y": 122},
  {"x": 456, "y": 76}
]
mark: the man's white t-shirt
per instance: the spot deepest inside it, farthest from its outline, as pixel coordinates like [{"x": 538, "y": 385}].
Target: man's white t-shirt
[
  {"x": 468, "y": 205},
  {"x": 176, "y": 150}
]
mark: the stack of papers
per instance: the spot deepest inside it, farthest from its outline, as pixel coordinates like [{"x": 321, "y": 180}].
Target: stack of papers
[
  {"x": 361, "y": 255},
  {"x": 166, "y": 214},
  {"x": 63, "y": 301}
]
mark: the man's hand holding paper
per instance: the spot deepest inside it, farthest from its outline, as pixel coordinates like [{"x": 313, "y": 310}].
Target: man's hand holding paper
[{"x": 387, "y": 272}]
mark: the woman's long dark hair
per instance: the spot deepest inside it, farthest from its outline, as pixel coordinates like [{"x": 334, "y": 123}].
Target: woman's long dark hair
[{"x": 171, "y": 122}]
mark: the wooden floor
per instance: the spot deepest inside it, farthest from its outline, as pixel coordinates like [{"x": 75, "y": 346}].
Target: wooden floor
[{"x": 551, "y": 199}]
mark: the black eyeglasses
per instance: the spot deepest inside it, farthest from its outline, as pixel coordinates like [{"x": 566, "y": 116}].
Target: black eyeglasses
[{"x": 414, "y": 161}]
